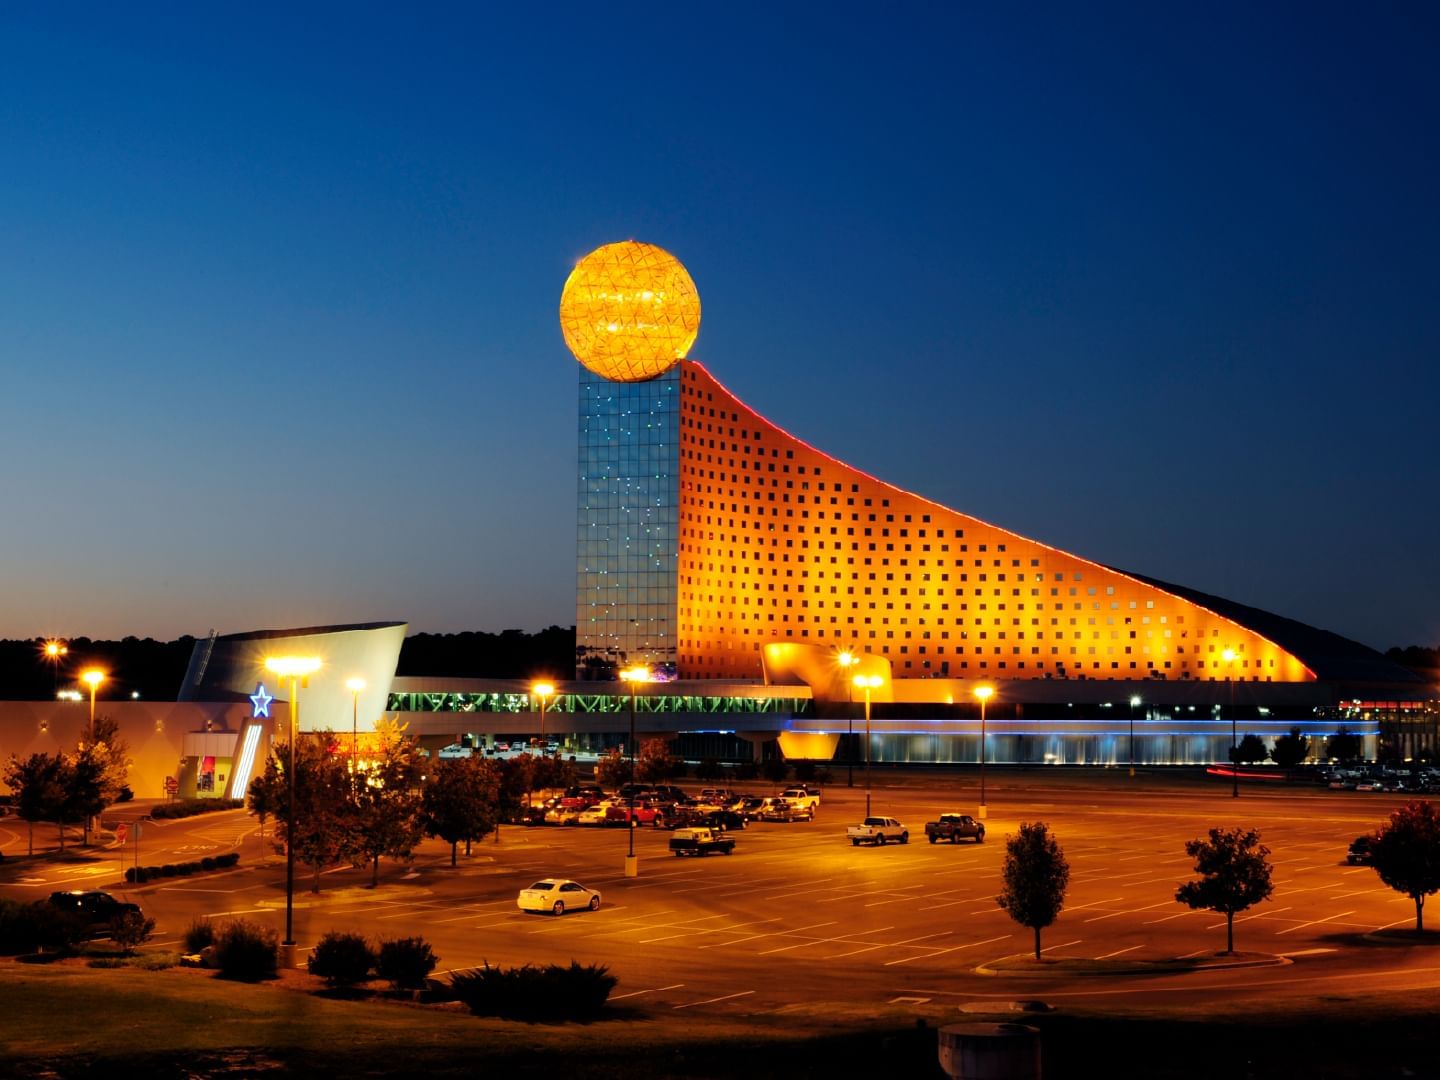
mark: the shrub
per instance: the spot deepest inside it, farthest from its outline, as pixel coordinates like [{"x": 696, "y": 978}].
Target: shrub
[
  {"x": 184, "y": 869},
  {"x": 125, "y": 795},
  {"x": 183, "y": 808},
  {"x": 230, "y": 858},
  {"x": 245, "y": 950},
  {"x": 143, "y": 875},
  {"x": 107, "y": 962},
  {"x": 155, "y": 961},
  {"x": 341, "y": 959},
  {"x": 776, "y": 770},
  {"x": 130, "y": 873},
  {"x": 552, "y": 992},
  {"x": 805, "y": 771},
  {"x": 27, "y": 927},
  {"x": 168, "y": 870},
  {"x": 207, "y": 863},
  {"x": 199, "y": 935},
  {"x": 129, "y": 929},
  {"x": 406, "y": 962}
]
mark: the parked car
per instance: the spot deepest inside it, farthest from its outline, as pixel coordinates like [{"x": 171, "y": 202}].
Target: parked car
[
  {"x": 751, "y": 806},
  {"x": 599, "y": 814},
  {"x": 778, "y": 809},
  {"x": 1360, "y": 853},
  {"x": 701, "y": 842},
  {"x": 95, "y": 907},
  {"x": 581, "y": 796},
  {"x": 953, "y": 827},
  {"x": 557, "y": 896},
  {"x": 878, "y": 831},
  {"x": 563, "y": 815}
]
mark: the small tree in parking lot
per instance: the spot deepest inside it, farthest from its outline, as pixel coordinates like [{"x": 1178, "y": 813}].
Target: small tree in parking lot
[
  {"x": 1250, "y": 750},
  {"x": 1406, "y": 854},
  {"x": 656, "y": 762},
  {"x": 1234, "y": 875},
  {"x": 1036, "y": 875},
  {"x": 613, "y": 769},
  {"x": 1290, "y": 750},
  {"x": 1344, "y": 746}
]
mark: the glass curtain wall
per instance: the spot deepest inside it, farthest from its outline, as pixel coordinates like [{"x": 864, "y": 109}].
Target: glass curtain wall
[{"x": 628, "y": 525}]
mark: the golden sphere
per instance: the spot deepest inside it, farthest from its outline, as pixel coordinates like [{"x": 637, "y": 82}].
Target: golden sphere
[{"x": 629, "y": 311}]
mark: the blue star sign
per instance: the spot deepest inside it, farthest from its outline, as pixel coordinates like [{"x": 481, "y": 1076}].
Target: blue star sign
[{"x": 261, "y": 701}]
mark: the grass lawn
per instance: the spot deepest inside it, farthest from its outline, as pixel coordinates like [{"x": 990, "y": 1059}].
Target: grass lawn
[{"x": 67, "y": 1020}]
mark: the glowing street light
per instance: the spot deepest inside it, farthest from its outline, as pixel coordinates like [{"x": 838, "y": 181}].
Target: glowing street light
[
  {"x": 54, "y": 651},
  {"x": 1134, "y": 701},
  {"x": 544, "y": 691},
  {"x": 354, "y": 685},
  {"x": 1229, "y": 657},
  {"x": 94, "y": 677},
  {"x": 297, "y": 669},
  {"x": 983, "y": 694},
  {"x": 847, "y": 660},
  {"x": 634, "y": 676},
  {"x": 868, "y": 683}
]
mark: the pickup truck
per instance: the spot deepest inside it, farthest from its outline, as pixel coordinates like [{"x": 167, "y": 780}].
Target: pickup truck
[
  {"x": 878, "y": 830},
  {"x": 701, "y": 842},
  {"x": 804, "y": 798},
  {"x": 953, "y": 826}
]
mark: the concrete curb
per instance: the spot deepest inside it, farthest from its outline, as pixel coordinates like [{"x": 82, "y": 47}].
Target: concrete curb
[{"x": 1131, "y": 967}]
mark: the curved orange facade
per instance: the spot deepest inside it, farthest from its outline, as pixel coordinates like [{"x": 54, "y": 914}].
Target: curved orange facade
[{"x": 779, "y": 542}]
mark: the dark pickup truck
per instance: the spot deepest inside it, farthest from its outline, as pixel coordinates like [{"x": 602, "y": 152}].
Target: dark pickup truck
[
  {"x": 701, "y": 842},
  {"x": 954, "y": 826}
]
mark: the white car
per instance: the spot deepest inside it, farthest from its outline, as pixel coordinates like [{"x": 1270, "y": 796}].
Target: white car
[
  {"x": 557, "y": 896},
  {"x": 594, "y": 815}
]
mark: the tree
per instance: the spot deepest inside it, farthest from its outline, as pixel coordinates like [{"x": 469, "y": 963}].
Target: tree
[
  {"x": 613, "y": 768},
  {"x": 1290, "y": 750},
  {"x": 1344, "y": 746},
  {"x": 109, "y": 757},
  {"x": 1036, "y": 875},
  {"x": 324, "y": 820},
  {"x": 1235, "y": 875},
  {"x": 387, "y": 806},
  {"x": 655, "y": 761},
  {"x": 1250, "y": 750},
  {"x": 264, "y": 795},
  {"x": 1406, "y": 854},
  {"x": 38, "y": 786},
  {"x": 460, "y": 801},
  {"x": 130, "y": 928}
]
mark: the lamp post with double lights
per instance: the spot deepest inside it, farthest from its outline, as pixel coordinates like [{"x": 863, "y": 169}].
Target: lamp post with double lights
[
  {"x": 847, "y": 660},
  {"x": 983, "y": 694},
  {"x": 634, "y": 676},
  {"x": 54, "y": 650},
  {"x": 297, "y": 669},
  {"x": 93, "y": 677},
  {"x": 1229, "y": 657},
  {"x": 868, "y": 683},
  {"x": 355, "y": 686},
  {"x": 1134, "y": 701}
]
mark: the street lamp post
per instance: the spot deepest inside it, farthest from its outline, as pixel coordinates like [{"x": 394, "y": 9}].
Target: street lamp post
[
  {"x": 1229, "y": 657},
  {"x": 94, "y": 677},
  {"x": 868, "y": 683},
  {"x": 542, "y": 690},
  {"x": 296, "y": 669},
  {"x": 54, "y": 650},
  {"x": 847, "y": 660},
  {"x": 354, "y": 686},
  {"x": 983, "y": 694},
  {"x": 634, "y": 676},
  {"x": 1134, "y": 701}
]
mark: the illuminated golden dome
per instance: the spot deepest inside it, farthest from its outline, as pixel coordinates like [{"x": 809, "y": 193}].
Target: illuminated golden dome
[{"x": 629, "y": 311}]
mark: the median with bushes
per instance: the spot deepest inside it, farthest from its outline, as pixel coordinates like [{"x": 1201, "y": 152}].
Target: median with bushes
[{"x": 139, "y": 875}]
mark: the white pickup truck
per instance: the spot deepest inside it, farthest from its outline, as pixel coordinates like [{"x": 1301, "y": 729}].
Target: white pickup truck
[{"x": 879, "y": 831}]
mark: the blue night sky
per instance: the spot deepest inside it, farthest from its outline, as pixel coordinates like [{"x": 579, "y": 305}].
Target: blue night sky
[{"x": 278, "y": 288}]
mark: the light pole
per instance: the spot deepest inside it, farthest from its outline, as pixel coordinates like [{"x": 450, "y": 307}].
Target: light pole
[
  {"x": 868, "y": 683},
  {"x": 1134, "y": 701},
  {"x": 54, "y": 650},
  {"x": 847, "y": 660},
  {"x": 634, "y": 676},
  {"x": 296, "y": 669},
  {"x": 542, "y": 690},
  {"x": 354, "y": 686},
  {"x": 1229, "y": 657},
  {"x": 93, "y": 676},
  {"x": 983, "y": 694}
]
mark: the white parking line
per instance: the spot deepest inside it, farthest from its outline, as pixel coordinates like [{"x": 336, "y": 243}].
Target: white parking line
[
  {"x": 1119, "y": 952},
  {"x": 771, "y": 933},
  {"x": 1257, "y": 915},
  {"x": 1129, "y": 911},
  {"x": 697, "y": 933},
  {"x": 941, "y": 952},
  {"x": 712, "y": 1001},
  {"x": 798, "y": 944},
  {"x": 1314, "y": 922},
  {"x": 652, "y": 990},
  {"x": 888, "y": 945}
]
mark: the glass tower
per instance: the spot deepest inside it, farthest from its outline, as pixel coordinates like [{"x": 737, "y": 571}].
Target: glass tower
[{"x": 628, "y": 524}]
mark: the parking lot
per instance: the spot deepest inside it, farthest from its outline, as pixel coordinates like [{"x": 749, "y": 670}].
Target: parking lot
[{"x": 800, "y": 918}]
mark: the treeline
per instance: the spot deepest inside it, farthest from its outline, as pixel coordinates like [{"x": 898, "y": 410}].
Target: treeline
[
  {"x": 155, "y": 669},
  {"x": 1418, "y": 658}
]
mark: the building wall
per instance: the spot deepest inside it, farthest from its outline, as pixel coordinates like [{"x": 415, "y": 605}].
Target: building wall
[{"x": 779, "y": 541}]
